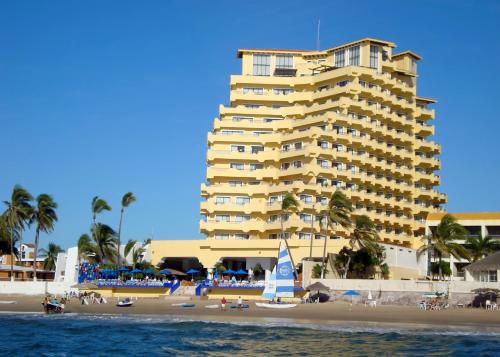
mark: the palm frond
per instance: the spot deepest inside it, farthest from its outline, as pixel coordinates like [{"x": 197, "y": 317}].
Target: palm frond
[{"x": 128, "y": 199}]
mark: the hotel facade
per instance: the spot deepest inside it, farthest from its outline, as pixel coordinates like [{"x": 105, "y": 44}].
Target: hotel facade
[{"x": 309, "y": 123}]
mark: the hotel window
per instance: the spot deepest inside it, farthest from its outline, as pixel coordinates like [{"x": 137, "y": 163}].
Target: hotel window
[
  {"x": 284, "y": 61},
  {"x": 241, "y": 218},
  {"x": 240, "y": 236},
  {"x": 306, "y": 217},
  {"x": 306, "y": 198},
  {"x": 261, "y": 65},
  {"x": 236, "y": 183},
  {"x": 322, "y": 200},
  {"x": 257, "y": 148},
  {"x": 323, "y": 144},
  {"x": 297, "y": 164},
  {"x": 413, "y": 66},
  {"x": 354, "y": 56},
  {"x": 340, "y": 58},
  {"x": 282, "y": 91},
  {"x": 242, "y": 200},
  {"x": 492, "y": 276},
  {"x": 373, "y": 56},
  {"x": 254, "y": 167},
  {"x": 298, "y": 145},
  {"x": 285, "y": 166},
  {"x": 236, "y": 166},
  {"x": 238, "y": 148},
  {"x": 222, "y": 236},
  {"x": 322, "y": 163},
  {"x": 221, "y": 218},
  {"x": 305, "y": 236},
  {"x": 219, "y": 200},
  {"x": 259, "y": 91}
]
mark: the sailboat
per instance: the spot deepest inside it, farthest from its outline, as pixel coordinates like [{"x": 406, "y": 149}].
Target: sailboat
[{"x": 280, "y": 284}]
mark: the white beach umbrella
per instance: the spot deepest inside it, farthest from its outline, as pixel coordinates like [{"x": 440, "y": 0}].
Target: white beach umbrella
[{"x": 370, "y": 295}]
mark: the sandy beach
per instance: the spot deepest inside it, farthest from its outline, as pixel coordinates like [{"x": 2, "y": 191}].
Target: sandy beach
[{"x": 306, "y": 313}]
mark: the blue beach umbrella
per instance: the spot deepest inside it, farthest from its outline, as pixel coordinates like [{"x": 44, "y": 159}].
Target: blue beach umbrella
[
  {"x": 149, "y": 271},
  {"x": 241, "y": 272},
  {"x": 351, "y": 293},
  {"x": 192, "y": 272},
  {"x": 229, "y": 271},
  {"x": 123, "y": 269},
  {"x": 136, "y": 271}
]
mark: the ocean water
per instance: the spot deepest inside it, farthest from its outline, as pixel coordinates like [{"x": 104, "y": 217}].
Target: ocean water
[{"x": 117, "y": 335}]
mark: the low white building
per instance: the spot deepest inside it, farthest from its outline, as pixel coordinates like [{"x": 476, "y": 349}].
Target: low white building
[{"x": 486, "y": 270}]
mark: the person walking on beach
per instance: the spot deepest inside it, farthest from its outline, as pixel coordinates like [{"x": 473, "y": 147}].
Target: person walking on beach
[
  {"x": 240, "y": 303},
  {"x": 223, "y": 303}
]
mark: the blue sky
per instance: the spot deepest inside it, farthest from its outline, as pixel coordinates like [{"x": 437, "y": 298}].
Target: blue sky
[{"x": 105, "y": 97}]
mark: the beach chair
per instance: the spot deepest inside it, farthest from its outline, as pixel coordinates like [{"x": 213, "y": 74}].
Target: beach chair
[{"x": 489, "y": 305}]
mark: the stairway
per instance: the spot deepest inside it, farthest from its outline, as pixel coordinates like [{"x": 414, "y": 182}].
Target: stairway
[{"x": 184, "y": 291}]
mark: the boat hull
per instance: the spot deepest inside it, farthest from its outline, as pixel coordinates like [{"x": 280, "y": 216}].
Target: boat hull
[{"x": 274, "y": 306}]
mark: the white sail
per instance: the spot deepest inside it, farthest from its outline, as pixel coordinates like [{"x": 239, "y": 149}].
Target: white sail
[
  {"x": 270, "y": 286},
  {"x": 284, "y": 274}
]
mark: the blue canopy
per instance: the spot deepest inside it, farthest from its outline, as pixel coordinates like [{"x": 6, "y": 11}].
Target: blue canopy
[
  {"x": 351, "y": 293},
  {"x": 123, "y": 269},
  {"x": 241, "y": 272},
  {"x": 165, "y": 272},
  {"x": 192, "y": 271},
  {"x": 149, "y": 271},
  {"x": 136, "y": 271},
  {"x": 229, "y": 271}
]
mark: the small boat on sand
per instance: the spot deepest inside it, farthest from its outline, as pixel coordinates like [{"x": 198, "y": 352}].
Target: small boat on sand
[
  {"x": 216, "y": 306},
  {"x": 275, "y": 305},
  {"x": 125, "y": 303},
  {"x": 184, "y": 304}
]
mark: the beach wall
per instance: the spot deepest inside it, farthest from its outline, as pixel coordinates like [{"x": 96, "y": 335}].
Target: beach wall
[
  {"x": 403, "y": 292},
  {"x": 33, "y": 287}
]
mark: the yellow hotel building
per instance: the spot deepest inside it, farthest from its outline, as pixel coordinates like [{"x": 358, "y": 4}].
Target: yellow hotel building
[{"x": 310, "y": 122}]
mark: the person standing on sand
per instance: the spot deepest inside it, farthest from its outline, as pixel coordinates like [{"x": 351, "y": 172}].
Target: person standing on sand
[
  {"x": 223, "y": 303},
  {"x": 240, "y": 303}
]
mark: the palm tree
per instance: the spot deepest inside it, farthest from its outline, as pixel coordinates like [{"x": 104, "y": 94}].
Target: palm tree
[
  {"x": 442, "y": 242},
  {"x": 44, "y": 216},
  {"x": 127, "y": 199},
  {"x": 98, "y": 206},
  {"x": 288, "y": 204},
  {"x": 480, "y": 246},
  {"x": 86, "y": 249},
  {"x": 364, "y": 235},
  {"x": 50, "y": 255},
  {"x": 6, "y": 244},
  {"x": 137, "y": 255},
  {"x": 17, "y": 216},
  {"x": 105, "y": 241},
  {"x": 128, "y": 247},
  {"x": 339, "y": 213}
]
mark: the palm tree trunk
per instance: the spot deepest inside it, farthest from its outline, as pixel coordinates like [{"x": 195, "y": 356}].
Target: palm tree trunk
[
  {"x": 323, "y": 264},
  {"x": 312, "y": 236},
  {"x": 346, "y": 268},
  {"x": 11, "y": 255},
  {"x": 288, "y": 248},
  {"x": 37, "y": 236},
  {"x": 440, "y": 270},
  {"x": 118, "y": 256}
]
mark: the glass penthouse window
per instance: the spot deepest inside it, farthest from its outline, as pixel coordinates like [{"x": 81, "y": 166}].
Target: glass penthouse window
[
  {"x": 340, "y": 58},
  {"x": 261, "y": 65},
  {"x": 284, "y": 61},
  {"x": 354, "y": 56},
  {"x": 373, "y": 56}
]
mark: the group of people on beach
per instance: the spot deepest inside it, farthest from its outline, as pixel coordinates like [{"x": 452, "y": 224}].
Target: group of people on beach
[
  {"x": 50, "y": 303},
  {"x": 93, "y": 297},
  {"x": 223, "y": 303}
]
